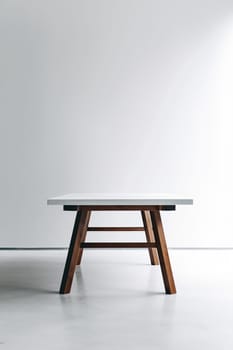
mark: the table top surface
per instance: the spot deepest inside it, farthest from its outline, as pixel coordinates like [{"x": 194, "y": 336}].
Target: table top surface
[{"x": 119, "y": 199}]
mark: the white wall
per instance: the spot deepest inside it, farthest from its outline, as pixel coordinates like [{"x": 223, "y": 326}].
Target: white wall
[{"x": 100, "y": 95}]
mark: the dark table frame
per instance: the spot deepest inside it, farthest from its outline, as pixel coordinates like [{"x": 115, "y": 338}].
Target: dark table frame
[{"x": 152, "y": 225}]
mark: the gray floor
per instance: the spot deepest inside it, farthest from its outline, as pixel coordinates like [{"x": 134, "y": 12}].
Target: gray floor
[{"x": 117, "y": 301}]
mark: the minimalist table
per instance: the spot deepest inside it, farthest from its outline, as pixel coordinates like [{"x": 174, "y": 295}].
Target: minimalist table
[{"x": 149, "y": 206}]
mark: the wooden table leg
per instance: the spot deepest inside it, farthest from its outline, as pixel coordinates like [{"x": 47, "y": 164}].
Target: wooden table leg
[
  {"x": 150, "y": 236},
  {"x": 163, "y": 252},
  {"x": 79, "y": 231},
  {"x": 83, "y": 238}
]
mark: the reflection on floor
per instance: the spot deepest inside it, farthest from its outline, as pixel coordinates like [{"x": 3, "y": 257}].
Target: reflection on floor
[{"x": 117, "y": 301}]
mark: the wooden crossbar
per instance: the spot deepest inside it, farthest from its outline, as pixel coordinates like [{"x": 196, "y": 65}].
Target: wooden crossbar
[
  {"x": 117, "y": 245},
  {"x": 115, "y": 228}
]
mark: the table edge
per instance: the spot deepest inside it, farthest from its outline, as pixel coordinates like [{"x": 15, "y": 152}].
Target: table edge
[{"x": 125, "y": 202}]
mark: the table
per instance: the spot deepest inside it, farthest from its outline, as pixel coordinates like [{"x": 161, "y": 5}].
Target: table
[{"x": 148, "y": 205}]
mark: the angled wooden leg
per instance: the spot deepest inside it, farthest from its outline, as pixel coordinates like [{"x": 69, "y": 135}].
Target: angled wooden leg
[
  {"x": 79, "y": 230},
  {"x": 163, "y": 252},
  {"x": 80, "y": 253},
  {"x": 150, "y": 236}
]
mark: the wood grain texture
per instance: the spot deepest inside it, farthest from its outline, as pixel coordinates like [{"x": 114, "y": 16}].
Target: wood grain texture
[
  {"x": 150, "y": 236},
  {"x": 79, "y": 230},
  {"x": 165, "y": 264}
]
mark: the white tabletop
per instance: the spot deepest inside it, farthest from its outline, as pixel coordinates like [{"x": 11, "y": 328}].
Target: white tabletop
[{"x": 119, "y": 199}]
